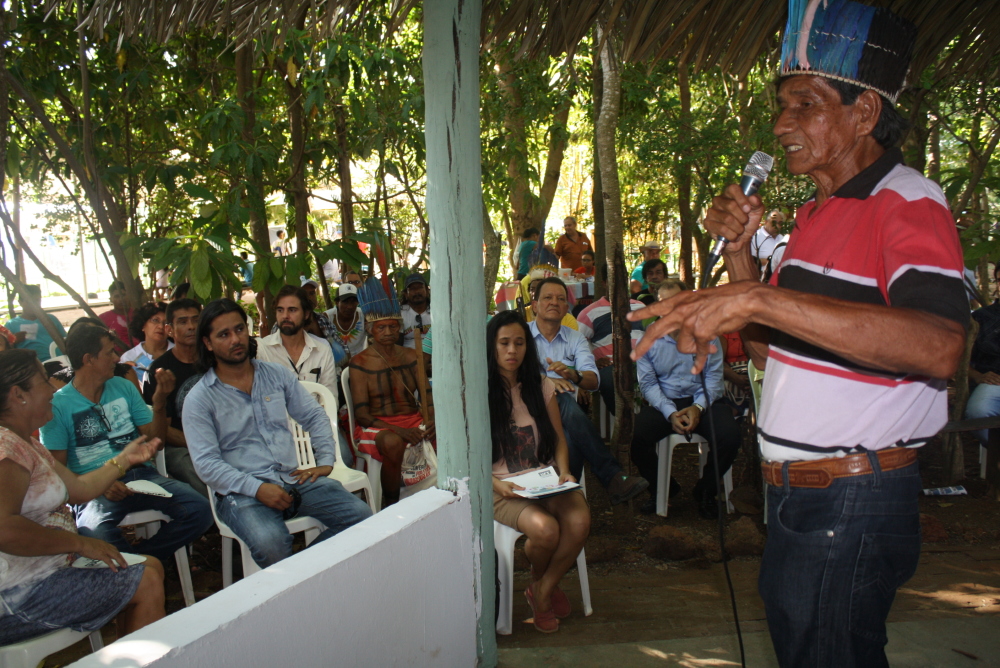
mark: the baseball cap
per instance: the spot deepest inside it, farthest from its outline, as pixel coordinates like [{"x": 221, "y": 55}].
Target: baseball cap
[
  {"x": 309, "y": 281},
  {"x": 347, "y": 290},
  {"x": 414, "y": 278}
]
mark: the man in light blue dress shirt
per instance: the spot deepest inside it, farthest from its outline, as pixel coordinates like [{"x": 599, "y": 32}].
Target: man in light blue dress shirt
[
  {"x": 565, "y": 357},
  {"x": 236, "y": 424},
  {"x": 677, "y": 404}
]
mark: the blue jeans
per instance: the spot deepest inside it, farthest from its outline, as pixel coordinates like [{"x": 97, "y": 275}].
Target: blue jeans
[
  {"x": 983, "y": 402},
  {"x": 833, "y": 561},
  {"x": 585, "y": 442},
  {"x": 189, "y": 513},
  {"x": 263, "y": 529}
]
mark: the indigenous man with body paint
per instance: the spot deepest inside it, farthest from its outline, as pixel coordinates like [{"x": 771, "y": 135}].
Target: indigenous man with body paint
[
  {"x": 384, "y": 388},
  {"x": 860, "y": 326}
]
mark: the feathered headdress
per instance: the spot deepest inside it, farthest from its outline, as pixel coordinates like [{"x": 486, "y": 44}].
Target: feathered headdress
[
  {"x": 376, "y": 302},
  {"x": 840, "y": 39}
]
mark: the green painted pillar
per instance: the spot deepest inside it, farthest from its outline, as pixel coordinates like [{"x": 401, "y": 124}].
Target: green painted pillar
[{"x": 454, "y": 208}]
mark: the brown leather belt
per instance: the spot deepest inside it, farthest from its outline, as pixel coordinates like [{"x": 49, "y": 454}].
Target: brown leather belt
[{"x": 820, "y": 473}]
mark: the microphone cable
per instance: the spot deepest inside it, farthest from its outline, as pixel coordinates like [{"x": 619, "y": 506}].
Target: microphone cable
[{"x": 723, "y": 508}]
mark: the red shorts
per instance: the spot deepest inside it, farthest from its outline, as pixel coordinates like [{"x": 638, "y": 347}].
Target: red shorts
[{"x": 364, "y": 437}]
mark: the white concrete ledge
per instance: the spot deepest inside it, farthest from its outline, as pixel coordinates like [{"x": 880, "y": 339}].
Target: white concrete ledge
[{"x": 395, "y": 590}]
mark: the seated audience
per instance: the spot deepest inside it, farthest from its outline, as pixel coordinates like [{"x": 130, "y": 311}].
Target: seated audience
[
  {"x": 182, "y": 325},
  {"x": 348, "y": 320},
  {"x": 236, "y": 421},
  {"x": 650, "y": 251},
  {"x": 654, "y": 272},
  {"x": 735, "y": 376},
  {"x": 317, "y": 322},
  {"x": 39, "y": 589},
  {"x": 148, "y": 327},
  {"x": 677, "y": 404},
  {"x": 94, "y": 418},
  {"x": 528, "y": 242},
  {"x": 984, "y": 367},
  {"x": 27, "y": 328},
  {"x": 416, "y": 308},
  {"x": 119, "y": 317},
  {"x": 586, "y": 267},
  {"x": 527, "y": 290},
  {"x": 384, "y": 390},
  {"x": 305, "y": 355},
  {"x": 595, "y": 325},
  {"x": 527, "y": 435},
  {"x": 565, "y": 357}
]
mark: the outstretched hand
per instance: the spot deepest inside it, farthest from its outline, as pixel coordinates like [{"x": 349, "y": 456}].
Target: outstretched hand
[
  {"x": 140, "y": 450},
  {"x": 696, "y": 319}
]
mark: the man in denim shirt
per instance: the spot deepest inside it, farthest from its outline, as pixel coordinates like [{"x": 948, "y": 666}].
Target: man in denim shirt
[
  {"x": 677, "y": 405},
  {"x": 236, "y": 423}
]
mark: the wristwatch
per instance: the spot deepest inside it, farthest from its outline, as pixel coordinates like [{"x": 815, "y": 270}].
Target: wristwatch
[{"x": 700, "y": 407}]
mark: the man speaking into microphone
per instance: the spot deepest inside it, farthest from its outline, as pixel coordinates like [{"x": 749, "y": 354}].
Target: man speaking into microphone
[{"x": 860, "y": 327}]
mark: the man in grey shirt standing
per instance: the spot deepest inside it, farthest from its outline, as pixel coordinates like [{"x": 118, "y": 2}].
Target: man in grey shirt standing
[{"x": 236, "y": 423}]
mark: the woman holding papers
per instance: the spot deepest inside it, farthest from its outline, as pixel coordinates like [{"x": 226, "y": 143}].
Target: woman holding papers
[
  {"x": 39, "y": 589},
  {"x": 528, "y": 436}
]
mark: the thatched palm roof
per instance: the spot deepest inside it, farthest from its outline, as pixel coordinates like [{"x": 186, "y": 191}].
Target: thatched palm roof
[{"x": 729, "y": 33}]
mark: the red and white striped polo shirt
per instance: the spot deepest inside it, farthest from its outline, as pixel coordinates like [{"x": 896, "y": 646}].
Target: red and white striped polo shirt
[{"x": 886, "y": 237}]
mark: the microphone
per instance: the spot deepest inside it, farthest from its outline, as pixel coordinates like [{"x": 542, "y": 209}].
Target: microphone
[{"x": 754, "y": 174}]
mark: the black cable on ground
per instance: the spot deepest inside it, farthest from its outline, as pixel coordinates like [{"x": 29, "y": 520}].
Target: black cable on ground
[{"x": 720, "y": 495}]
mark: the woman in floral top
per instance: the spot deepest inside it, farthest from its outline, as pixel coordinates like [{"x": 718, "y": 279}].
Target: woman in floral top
[{"x": 39, "y": 589}]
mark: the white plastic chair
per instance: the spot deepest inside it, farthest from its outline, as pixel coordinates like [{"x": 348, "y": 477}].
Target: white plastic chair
[
  {"x": 31, "y": 653},
  {"x": 504, "y": 539},
  {"x": 351, "y": 479},
  {"x": 302, "y": 524},
  {"x": 372, "y": 465},
  {"x": 665, "y": 454},
  {"x": 53, "y": 350},
  {"x": 147, "y": 523}
]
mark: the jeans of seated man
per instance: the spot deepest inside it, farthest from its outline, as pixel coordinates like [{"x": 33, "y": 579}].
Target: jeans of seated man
[
  {"x": 983, "y": 402},
  {"x": 832, "y": 563},
  {"x": 263, "y": 529},
  {"x": 606, "y": 378},
  {"x": 650, "y": 427},
  {"x": 189, "y": 513},
  {"x": 585, "y": 442}
]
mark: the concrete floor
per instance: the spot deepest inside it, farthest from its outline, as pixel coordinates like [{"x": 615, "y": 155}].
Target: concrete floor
[{"x": 947, "y": 615}]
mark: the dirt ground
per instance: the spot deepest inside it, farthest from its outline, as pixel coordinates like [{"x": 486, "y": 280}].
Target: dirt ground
[{"x": 639, "y": 598}]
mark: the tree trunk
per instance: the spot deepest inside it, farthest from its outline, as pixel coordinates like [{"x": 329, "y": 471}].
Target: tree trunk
[
  {"x": 527, "y": 209},
  {"x": 297, "y": 160},
  {"x": 454, "y": 205},
  {"x": 344, "y": 172},
  {"x": 624, "y": 370},
  {"x": 954, "y": 457},
  {"x": 119, "y": 226},
  {"x": 597, "y": 194},
  {"x": 246, "y": 92},
  {"x": 682, "y": 174},
  {"x": 492, "y": 265}
]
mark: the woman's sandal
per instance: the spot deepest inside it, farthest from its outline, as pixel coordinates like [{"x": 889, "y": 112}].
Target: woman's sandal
[
  {"x": 560, "y": 602},
  {"x": 546, "y": 622}
]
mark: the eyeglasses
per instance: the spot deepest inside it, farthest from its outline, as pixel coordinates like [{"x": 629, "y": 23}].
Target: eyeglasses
[{"x": 104, "y": 420}]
